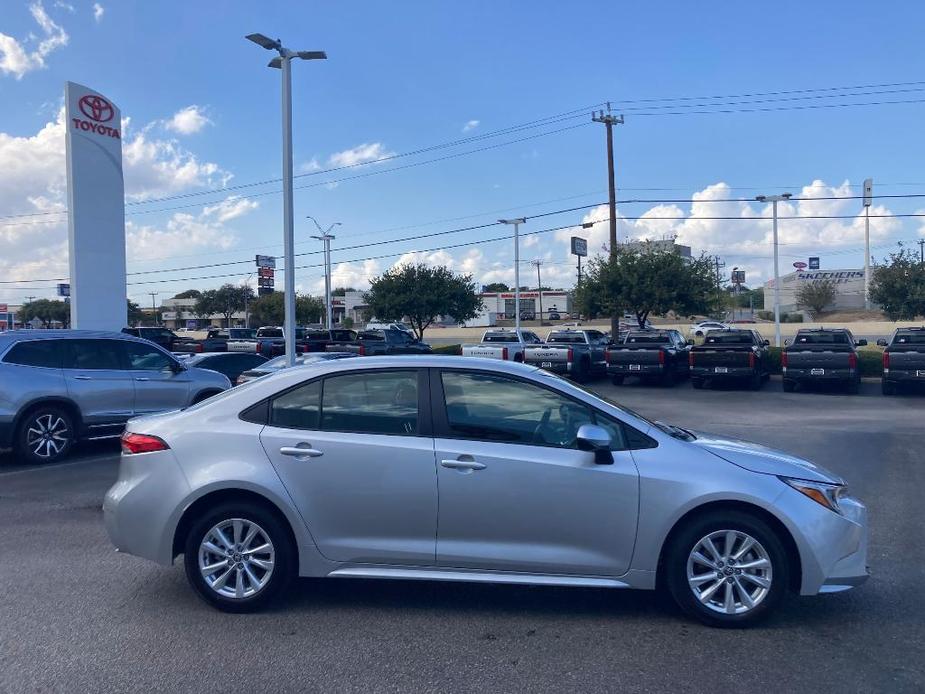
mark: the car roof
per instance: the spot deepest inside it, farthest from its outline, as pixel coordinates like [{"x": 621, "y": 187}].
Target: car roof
[{"x": 11, "y": 336}]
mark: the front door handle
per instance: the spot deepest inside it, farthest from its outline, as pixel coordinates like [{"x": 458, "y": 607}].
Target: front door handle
[
  {"x": 82, "y": 378},
  {"x": 463, "y": 464},
  {"x": 142, "y": 378},
  {"x": 303, "y": 450}
]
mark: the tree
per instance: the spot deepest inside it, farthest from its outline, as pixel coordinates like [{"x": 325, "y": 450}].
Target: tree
[
  {"x": 422, "y": 293},
  {"x": 815, "y": 297},
  {"x": 645, "y": 281},
  {"x": 308, "y": 309},
  {"x": 496, "y": 287},
  {"x": 189, "y": 294},
  {"x": 270, "y": 309},
  {"x": 48, "y": 311},
  {"x": 135, "y": 314},
  {"x": 899, "y": 286},
  {"x": 226, "y": 301},
  {"x": 341, "y": 291}
]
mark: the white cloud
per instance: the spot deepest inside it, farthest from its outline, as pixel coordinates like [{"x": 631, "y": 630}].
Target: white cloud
[
  {"x": 309, "y": 166},
  {"x": 361, "y": 154},
  {"x": 156, "y": 167},
  {"x": 188, "y": 121},
  {"x": 203, "y": 231},
  {"x": 60, "y": 4},
  {"x": 17, "y": 60},
  {"x": 98, "y": 11},
  {"x": 470, "y": 125},
  {"x": 230, "y": 208}
]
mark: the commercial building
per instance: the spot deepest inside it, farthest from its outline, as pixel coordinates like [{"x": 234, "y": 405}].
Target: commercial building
[
  {"x": 502, "y": 303},
  {"x": 849, "y": 288},
  {"x": 657, "y": 246}
]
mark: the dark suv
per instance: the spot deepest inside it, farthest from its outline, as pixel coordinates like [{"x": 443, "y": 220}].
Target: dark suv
[{"x": 159, "y": 336}]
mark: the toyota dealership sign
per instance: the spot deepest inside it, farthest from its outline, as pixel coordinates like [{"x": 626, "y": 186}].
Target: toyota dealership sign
[{"x": 96, "y": 210}]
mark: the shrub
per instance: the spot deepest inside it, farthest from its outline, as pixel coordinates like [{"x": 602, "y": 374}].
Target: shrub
[{"x": 766, "y": 315}]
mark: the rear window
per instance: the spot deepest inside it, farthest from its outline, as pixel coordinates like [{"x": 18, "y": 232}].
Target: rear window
[
  {"x": 648, "y": 339},
  {"x": 566, "y": 338},
  {"x": 270, "y": 332},
  {"x": 371, "y": 336},
  {"x": 500, "y": 337},
  {"x": 343, "y": 335},
  {"x": 242, "y": 334},
  {"x": 729, "y": 339},
  {"x": 917, "y": 338},
  {"x": 317, "y": 335},
  {"x": 821, "y": 339},
  {"x": 43, "y": 353}
]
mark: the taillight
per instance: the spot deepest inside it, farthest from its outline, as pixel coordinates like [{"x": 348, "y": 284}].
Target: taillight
[
  {"x": 362, "y": 351},
  {"x": 570, "y": 353},
  {"x": 607, "y": 355},
  {"x": 852, "y": 361},
  {"x": 783, "y": 359},
  {"x": 690, "y": 358},
  {"x": 751, "y": 360},
  {"x": 504, "y": 353},
  {"x": 661, "y": 357},
  {"x": 886, "y": 361},
  {"x": 200, "y": 348},
  {"x": 259, "y": 348},
  {"x": 141, "y": 443}
]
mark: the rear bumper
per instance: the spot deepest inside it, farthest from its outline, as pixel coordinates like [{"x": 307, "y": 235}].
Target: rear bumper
[
  {"x": 643, "y": 370},
  {"x": 904, "y": 376},
  {"x": 801, "y": 374},
  {"x": 731, "y": 372},
  {"x": 556, "y": 367}
]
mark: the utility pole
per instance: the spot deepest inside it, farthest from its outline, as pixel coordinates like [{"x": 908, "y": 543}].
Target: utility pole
[
  {"x": 868, "y": 198},
  {"x": 29, "y": 299},
  {"x": 516, "y": 223},
  {"x": 154, "y": 306},
  {"x": 539, "y": 285},
  {"x": 922, "y": 251},
  {"x": 774, "y": 199},
  {"x": 326, "y": 237},
  {"x": 609, "y": 121}
]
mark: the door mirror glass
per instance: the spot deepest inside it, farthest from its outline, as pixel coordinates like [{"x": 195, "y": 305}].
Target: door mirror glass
[
  {"x": 881, "y": 342},
  {"x": 861, "y": 343},
  {"x": 766, "y": 343},
  {"x": 593, "y": 438}
]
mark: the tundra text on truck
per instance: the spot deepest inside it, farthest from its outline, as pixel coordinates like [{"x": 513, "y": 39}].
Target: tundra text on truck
[{"x": 502, "y": 343}]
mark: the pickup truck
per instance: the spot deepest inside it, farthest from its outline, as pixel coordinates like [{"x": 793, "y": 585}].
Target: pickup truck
[
  {"x": 652, "y": 355},
  {"x": 731, "y": 355},
  {"x": 903, "y": 359},
  {"x": 578, "y": 354},
  {"x": 217, "y": 339},
  {"x": 268, "y": 341},
  {"x": 381, "y": 342},
  {"x": 822, "y": 355},
  {"x": 502, "y": 343}
]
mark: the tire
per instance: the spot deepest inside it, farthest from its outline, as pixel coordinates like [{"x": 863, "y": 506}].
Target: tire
[
  {"x": 887, "y": 387},
  {"x": 854, "y": 386},
  {"x": 45, "y": 435},
  {"x": 617, "y": 380},
  {"x": 667, "y": 379},
  {"x": 584, "y": 371},
  {"x": 789, "y": 386},
  {"x": 755, "y": 382},
  {"x": 269, "y": 530},
  {"x": 697, "y": 382},
  {"x": 766, "y": 588}
]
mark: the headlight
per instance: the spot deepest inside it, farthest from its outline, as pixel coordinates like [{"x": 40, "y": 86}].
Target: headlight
[{"x": 827, "y": 495}]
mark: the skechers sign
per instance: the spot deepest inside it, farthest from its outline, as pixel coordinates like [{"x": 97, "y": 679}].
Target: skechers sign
[{"x": 99, "y": 111}]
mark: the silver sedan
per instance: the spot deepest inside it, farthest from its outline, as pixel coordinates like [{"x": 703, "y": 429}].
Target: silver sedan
[{"x": 455, "y": 469}]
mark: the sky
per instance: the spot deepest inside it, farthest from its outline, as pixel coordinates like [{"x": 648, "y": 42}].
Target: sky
[{"x": 499, "y": 95}]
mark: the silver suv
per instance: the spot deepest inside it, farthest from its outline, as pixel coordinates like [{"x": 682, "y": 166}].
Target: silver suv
[{"x": 59, "y": 386}]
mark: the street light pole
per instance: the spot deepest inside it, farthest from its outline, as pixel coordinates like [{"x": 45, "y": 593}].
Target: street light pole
[
  {"x": 326, "y": 237},
  {"x": 284, "y": 62},
  {"x": 868, "y": 199},
  {"x": 774, "y": 199},
  {"x": 516, "y": 222}
]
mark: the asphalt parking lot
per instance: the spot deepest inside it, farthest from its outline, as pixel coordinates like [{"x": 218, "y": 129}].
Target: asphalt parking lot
[{"x": 76, "y": 616}]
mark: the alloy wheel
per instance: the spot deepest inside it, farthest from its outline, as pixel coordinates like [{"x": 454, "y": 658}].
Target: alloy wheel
[
  {"x": 236, "y": 558},
  {"x": 729, "y": 572},
  {"x": 47, "y": 436}
]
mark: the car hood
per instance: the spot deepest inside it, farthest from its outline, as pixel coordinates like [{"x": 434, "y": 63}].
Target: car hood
[
  {"x": 762, "y": 459},
  {"x": 208, "y": 377}
]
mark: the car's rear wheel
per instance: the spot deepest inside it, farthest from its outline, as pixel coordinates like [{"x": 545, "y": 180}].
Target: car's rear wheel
[
  {"x": 697, "y": 382},
  {"x": 239, "y": 557},
  {"x": 727, "y": 569},
  {"x": 45, "y": 435},
  {"x": 617, "y": 380},
  {"x": 756, "y": 382},
  {"x": 789, "y": 386},
  {"x": 888, "y": 388}
]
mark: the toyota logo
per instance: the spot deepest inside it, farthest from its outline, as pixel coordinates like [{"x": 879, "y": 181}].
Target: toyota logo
[{"x": 96, "y": 108}]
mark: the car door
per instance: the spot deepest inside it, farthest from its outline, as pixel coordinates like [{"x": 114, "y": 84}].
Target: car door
[
  {"x": 357, "y": 457},
  {"x": 515, "y": 491},
  {"x": 159, "y": 384},
  {"x": 97, "y": 380}
]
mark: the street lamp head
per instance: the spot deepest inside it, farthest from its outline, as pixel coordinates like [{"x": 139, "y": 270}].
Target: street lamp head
[
  {"x": 277, "y": 63},
  {"x": 787, "y": 196},
  {"x": 518, "y": 220},
  {"x": 312, "y": 55},
  {"x": 264, "y": 41},
  {"x": 761, "y": 198}
]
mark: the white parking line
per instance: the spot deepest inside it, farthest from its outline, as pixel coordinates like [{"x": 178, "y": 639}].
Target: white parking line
[{"x": 41, "y": 468}]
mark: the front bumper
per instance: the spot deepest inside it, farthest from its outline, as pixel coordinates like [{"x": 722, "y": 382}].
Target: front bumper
[{"x": 138, "y": 508}]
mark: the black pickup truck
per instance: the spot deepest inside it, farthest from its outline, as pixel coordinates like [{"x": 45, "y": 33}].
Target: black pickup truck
[
  {"x": 903, "y": 359},
  {"x": 216, "y": 340},
  {"x": 652, "y": 355},
  {"x": 731, "y": 355},
  {"x": 318, "y": 340},
  {"x": 578, "y": 354},
  {"x": 370, "y": 343},
  {"x": 822, "y": 355}
]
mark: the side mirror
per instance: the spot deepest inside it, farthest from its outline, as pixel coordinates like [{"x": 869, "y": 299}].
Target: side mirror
[
  {"x": 766, "y": 343},
  {"x": 597, "y": 439},
  {"x": 861, "y": 343},
  {"x": 177, "y": 367},
  {"x": 881, "y": 342},
  {"x": 787, "y": 342},
  {"x": 690, "y": 342}
]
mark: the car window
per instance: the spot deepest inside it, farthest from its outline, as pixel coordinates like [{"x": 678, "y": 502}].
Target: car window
[
  {"x": 487, "y": 407},
  {"x": 566, "y": 338},
  {"x": 43, "y": 353},
  {"x": 145, "y": 358},
  {"x": 383, "y": 402},
  {"x": 93, "y": 354},
  {"x": 298, "y": 408}
]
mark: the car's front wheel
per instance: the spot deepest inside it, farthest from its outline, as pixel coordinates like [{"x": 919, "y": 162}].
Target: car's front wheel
[
  {"x": 238, "y": 557},
  {"x": 45, "y": 435},
  {"x": 727, "y": 569}
]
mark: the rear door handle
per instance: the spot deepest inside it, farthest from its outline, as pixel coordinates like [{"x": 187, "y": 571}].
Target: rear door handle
[
  {"x": 83, "y": 378},
  {"x": 301, "y": 451},
  {"x": 463, "y": 464},
  {"x": 142, "y": 378}
]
